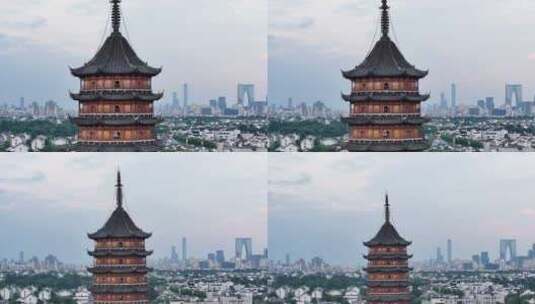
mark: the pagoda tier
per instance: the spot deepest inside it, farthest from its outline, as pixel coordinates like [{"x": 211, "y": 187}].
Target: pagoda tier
[
  {"x": 116, "y": 102},
  {"x": 388, "y": 270},
  {"x": 385, "y": 102},
  {"x": 120, "y": 266}
]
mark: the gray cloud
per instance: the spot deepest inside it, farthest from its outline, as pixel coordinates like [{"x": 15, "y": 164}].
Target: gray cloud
[
  {"x": 469, "y": 43},
  {"x": 210, "y": 199},
  {"x": 474, "y": 200}
]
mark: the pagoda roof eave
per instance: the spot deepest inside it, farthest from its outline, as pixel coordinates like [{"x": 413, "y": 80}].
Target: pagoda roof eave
[
  {"x": 118, "y": 270},
  {"x": 384, "y": 60},
  {"x": 115, "y": 57},
  {"x": 387, "y": 256},
  {"x": 385, "y": 120},
  {"x": 117, "y": 96},
  {"x": 356, "y": 97},
  {"x": 103, "y": 253},
  {"x": 115, "y": 121}
]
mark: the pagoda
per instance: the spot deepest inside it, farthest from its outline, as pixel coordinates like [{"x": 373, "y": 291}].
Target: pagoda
[
  {"x": 385, "y": 103},
  {"x": 388, "y": 270},
  {"x": 116, "y": 111},
  {"x": 119, "y": 269}
]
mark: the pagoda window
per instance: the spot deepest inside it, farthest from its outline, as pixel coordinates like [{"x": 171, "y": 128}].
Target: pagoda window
[
  {"x": 117, "y": 109},
  {"x": 117, "y": 135},
  {"x": 386, "y": 110},
  {"x": 93, "y": 109},
  {"x": 386, "y": 86},
  {"x": 117, "y": 84},
  {"x": 386, "y": 134}
]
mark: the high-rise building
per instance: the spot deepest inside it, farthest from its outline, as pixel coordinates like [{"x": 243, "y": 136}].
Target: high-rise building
[
  {"x": 246, "y": 90},
  {"x": 21, "y": 257},
  {"x": 116, "y": 102},
  {"x": 385, "y": 102},
  {"x": 242, "y": 244},
  {"x": 513, "y": 90},
  {"x": 174, "y": 255},
  {"x": 443, "y": 101},
  {"x": 185, "y": 92},
  {"x": 388, "y": 267},
  {"x": 508, "y": 250},
  {"x": 184, "y": 249},
  {"x": 288, "y": 259},
  {"x": 220, "y": 257},
  {"x": 485, "y": 259},
  {"x": 439, "y": 258},
  {"x": 453, "y": 95},
  {"x": 489, "y": 104},
  {"x": 450, "y": 251},
  {"x": 119, "y": 270},
  {"x": 176, "y": 101},
  {"x": 222, "y": 103}
]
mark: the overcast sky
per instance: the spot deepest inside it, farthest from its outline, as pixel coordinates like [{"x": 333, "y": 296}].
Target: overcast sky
[
  {"x": 49, "y": 202},
  {"x": 480, "y": 44},
  {"x": 211, "y": 44},
  {"x": 326, "y": 205}
]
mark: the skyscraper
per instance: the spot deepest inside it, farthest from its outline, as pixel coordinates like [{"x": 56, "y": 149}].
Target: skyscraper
[
  {"x": 439, "y": 257},
  {"x": 508, "y": 250},
  {"x": 240, "y": 245},
  {"x": 185, "y": 93},
  {"x": 184, "y": 249},
  {"x": 174, "y": 255},
  {"x": 388, "y": 267},
  {"x": 385, "y": 102},
  {"x": 485, "y": 259},
  {"x": 220, "y": 257},
  {"x": 513, "y": 90},
  {"x": 116, "y": 102},
  {"x": 246, "y": 90},
  {"x": 443, "y": 101},
  {"x": 120, "y": 271},
  {"x": 450, "y": 252},
  {"x": 453, "y": 95}
]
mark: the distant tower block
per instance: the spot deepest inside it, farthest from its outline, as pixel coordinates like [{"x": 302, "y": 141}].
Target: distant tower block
[
  {"x": 385, "y": 103},
  {"x": 513, "y": 90},
  {"x": 116, "y": 111},
  {"x": 388, "y": 270},
  {"x": 246, "y": 90},
  {"x": 508, "y": 250},
  {"x": 119, "y": 269},
  {"x": 241, "y": 244}
]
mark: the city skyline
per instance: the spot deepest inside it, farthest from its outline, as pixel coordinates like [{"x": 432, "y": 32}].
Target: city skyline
[
  {"x": 321, "y": 206},
  {"x": 30, "y": 32},
  {"x": 63, "y": 197},
  {"x": 309, "y": 45}
]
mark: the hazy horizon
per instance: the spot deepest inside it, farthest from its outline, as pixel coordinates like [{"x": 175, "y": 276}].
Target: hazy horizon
[
  {"x": 51, "y": 201},
  {"x": 194, "y": 41},
  {"x": 479, "y": 44},
  {"x": 325, "y": 205}
]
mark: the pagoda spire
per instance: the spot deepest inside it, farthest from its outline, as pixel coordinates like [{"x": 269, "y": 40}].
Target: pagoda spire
[
  {"x": 119, "y": 187},
  {"x": 116, "y": 15},
  {"x": 387, "y": 209},
  {"x": 385, "y": 18}
]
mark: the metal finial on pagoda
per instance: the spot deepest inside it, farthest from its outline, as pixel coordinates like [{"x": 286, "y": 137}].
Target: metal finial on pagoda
[
  {"x": 116, "y": 15},
  {"x": 387, "y": 209},
  {"x": 385, "y": 18},
  {"x": 119, "y": 186}
]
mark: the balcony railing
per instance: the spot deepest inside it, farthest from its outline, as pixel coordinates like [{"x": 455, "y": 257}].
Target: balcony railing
[
  {"x": 122, "y": 114},
  {"x": 117, "y": 141},
  {"x": 406, "y": 140}
]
